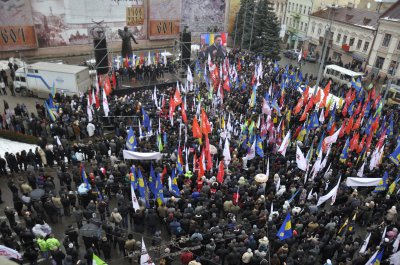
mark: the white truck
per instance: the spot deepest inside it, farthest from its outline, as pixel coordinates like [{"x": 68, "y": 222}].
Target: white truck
[{"x": 37, "y": 79}]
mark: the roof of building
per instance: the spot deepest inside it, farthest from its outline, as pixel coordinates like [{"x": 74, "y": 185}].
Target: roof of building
[
  {"x": 63, "y": 68},
  {"x": 393, "y": 13},
  {"x": 349, "y": 15}
]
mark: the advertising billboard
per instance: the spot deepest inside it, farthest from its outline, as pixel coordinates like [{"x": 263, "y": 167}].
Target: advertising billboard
[{"x": 208, "y": 38}]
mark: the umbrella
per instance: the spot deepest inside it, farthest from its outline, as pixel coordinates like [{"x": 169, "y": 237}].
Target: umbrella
[
  {"x": 9, "y": 252},
  {"x": 261, "y": 178},
  {"x": 89, "y": 230},
  {"x": 36, "y": 194},
  {"x": 213, "y": 149},
  {"x": 41, "y": 230}
]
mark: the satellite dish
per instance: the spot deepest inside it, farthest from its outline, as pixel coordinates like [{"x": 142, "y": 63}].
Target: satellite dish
[{"x": 369, "y": 5}]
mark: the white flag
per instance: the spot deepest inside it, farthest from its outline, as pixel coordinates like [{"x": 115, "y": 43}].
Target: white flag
[
  {"x": 266, "y": 109},
  {"x": 300, "y": 159},
  {"x": 105, "y": 104},
  {"x": 323, "y": 164},
  {"x": 165, "y": 58},
  {"x": 155, "y": 96},
  {"x": 145, "y": 258},
  {"x": 135, "y": 203},
  {"x": 285, "y": 144},
  {"x": 396, "y": 243},
  {"x": 300, "y": 55},
  {"x": 395, "y": 258},
  {"x": 252, "y": 152},
  {"x": 149, "y": 59},
  {"x": 58, "y": 140},
  {"x": 384, "y": 234},
  {"x": 189, "y": 75},
  {"x": 369, "y": 262},
  {"x": 331, "y": 194},
  {"x": 365, "y": 244},
  {"x": 267, "y": 173},
  {"x": 328, "y": 141},
  {"x": 321, "y": 117},
  {"x": 226, "y": 153},
  {"x": 360, "y": 172},
  {"x": 89, "y": 110},
  {"x": 309, "y": 197},
  {"x": 140, "y": 130}
]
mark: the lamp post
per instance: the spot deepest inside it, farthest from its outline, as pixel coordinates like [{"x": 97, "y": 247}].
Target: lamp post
[{"x": 331, "y": 15}]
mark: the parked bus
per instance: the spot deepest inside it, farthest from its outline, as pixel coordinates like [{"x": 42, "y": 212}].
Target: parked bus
[{"x": 341, "y": 75}]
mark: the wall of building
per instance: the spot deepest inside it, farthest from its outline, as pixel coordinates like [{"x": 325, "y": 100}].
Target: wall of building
[{"x": 390, "y": 53}]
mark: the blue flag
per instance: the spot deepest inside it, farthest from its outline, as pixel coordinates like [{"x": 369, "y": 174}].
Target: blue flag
[
  {"x": 141, "y": 187},
  {"x": 84, "y": 176},
  {"x": 174, "y": 184},
  {"x": 377, "y": 260},
  {"x": 259, "y": 147},
  {"x": 159, "y": 190},
  {"x": 356, "y": 84},
  {"x": 345, "y": 152},
  {"x": 383, "y": 184},
  {"x": 286, "y": 229},
  {"x": 146, "y": 120},
  {"x": 133, "y": 180},
  {"x": 131, "y": 142},
  {"x": 395, "y": 156},
  {"x": 314, "y": 122},
  {"x": 152, "y": 181}
]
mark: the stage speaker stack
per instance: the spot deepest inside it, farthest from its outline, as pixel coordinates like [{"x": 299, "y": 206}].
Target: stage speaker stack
[
  {"x": 186, "y": 48},
  {"x": 101, "y": 54}
]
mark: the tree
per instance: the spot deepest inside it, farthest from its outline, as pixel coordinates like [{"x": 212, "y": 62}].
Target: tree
[
  {"x": 243, "y": 22},
  {"x": 266, "y": 31}
]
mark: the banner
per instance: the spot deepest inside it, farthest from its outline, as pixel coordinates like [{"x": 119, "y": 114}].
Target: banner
[
  {"x": 208, "y": 38},
  {"x": 141, "y": 156},
  {"x": 362, "y": 182},
  {"x": 10, "y": 253}
]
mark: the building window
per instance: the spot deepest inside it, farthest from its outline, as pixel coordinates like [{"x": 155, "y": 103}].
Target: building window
[
  {"x": 344, "y": 39},
  {"x": 351, "y": 41},
  {"x": 290, "y": 4},
  {"x": 313, "y": 29},
  {"x": 393, "y": 67},
  {"x": 379, "y": 62},
  {"x": 338, "y": 37},
  {"x": 386, "y": 40},
  {"x": 319, "y": 31},
  {"x": 301, "y": 7},
  {"x": 297, "y": 7},
  {"x": 359, "y": 42},
  {"x": 304, "y": 10},
  {"x": 309, "y": 10},
  {"x": 398, "y": 45},
  {"x": 366, "y": 44},
  {"x": 305, "y": 27}
]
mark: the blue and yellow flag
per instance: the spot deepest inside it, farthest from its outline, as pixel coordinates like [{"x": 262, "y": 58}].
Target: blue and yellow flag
[
  {"x": 319, "y": 148},
  {"x": 383, "y": 183},
  {"x": 131, "y": 142},
  {"x": 253, "y": 97},
  {"x": 259, "y": 147},
  {"x": 84, "y": 176},
  {"x": 174, "y": 184},
  {"x": 53, "y": 90},
  {"x": 146, "y": 120},
  {"x": 159, "y": 190},
  {"x": 395, "y": 156},
  {"x": 345, "y": 152},
  {"x": 390, "y": 128},
  {"x": 356, "y": 84},
  {"x": 286, "y": 229},
  {"x": 152, "y": 181},
  {"x": 275, "y": 106},
  {"x": 50, "y": 112},
  {"x": 314, "y": 122},
  {"x": 133, "y": 178},
  {"x": 141, "y": 184},
  {"x": 377, "y": 260},
  {"x": 393, "y": 185}
]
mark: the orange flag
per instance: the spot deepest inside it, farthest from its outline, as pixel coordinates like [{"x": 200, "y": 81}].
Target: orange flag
[
  {"x": 220, "y": 175},
  {"x": 196, "y": 129},
  {"x": 107, "y": 86},
  {"x": 183, "y": 111},
  {"x": 326, "y": 93},
  {"x": 205, "y": 124},
  {"x": 317, "y": 98},
  {"x": 298, "y": 106},
  {"x": 177, "y": 98}
]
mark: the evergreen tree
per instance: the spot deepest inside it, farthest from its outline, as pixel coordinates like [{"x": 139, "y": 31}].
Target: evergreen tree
[
  {"x": 243, "y": 22},
  {"x": 266, "y": 31}
]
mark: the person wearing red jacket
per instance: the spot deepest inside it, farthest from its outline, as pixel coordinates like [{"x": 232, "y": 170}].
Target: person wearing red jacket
[{"x": 186, "y": 257}]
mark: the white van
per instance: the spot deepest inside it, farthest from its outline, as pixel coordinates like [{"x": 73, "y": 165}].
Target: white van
[{"x": 341, "y": 75}]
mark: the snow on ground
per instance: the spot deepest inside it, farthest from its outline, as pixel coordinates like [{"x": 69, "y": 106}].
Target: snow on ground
[{"x": 14, "y": 147}]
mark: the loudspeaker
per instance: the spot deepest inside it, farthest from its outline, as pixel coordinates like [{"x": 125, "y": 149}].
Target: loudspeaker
[
  {"x": 186, "y": 48},
  {"x": 101, "y": 55}
]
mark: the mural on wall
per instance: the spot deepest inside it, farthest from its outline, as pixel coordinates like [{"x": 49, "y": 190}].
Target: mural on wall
[
  {"x": 164, "y": 18},
  {"x": 66, "y": 22},
  {"x": 203, "y": 15},
  {"x": 16, "y": 25}
]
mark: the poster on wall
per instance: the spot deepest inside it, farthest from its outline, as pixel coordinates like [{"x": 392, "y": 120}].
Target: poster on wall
[
  {"x": 16, "y": 26},
  {"x": 68, "y": 22},
  {"x": 208, "y": 38},
  {"x": 203, "y": 15},
  {"x": 164, "y": 19}
]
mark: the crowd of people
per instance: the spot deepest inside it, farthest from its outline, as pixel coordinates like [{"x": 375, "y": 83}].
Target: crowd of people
[{"x": 215, "y": 217}]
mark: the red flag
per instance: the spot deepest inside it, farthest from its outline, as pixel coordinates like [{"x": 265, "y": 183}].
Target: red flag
[
  {"x": 358, "y": 123},
  {"x": 171, "y": 107},
  {"x": 183, "y": 111},
  {"x": 306, "y": 95},
  {"x": 361, "y": 145},
  {"x": 239, "y": 66},
  {"x": 358, "y": 109},
  {"x": 304, "y": 115},
  {"x": 201, "y": 165},
  {"x": 369, "y": 140},
  {"x": 348, "y": 97},
  {"x": 333, "y": 129},
  {"x": 107, "y": 86},
  {"x": 375, "y": 124},
  {"x": 263, "y": 130},
  {"x": 354, "y": 141},
  {"x": 378, "y": 98},
  {"x": 215, "y": 77},
  {"x": 350, "y": 125},
  {"x": 326, "y": 94},
  {"x": 344, "y": 110},
  {"x": 372, "y": 97},
  {"x": 141, "y": 58},
  {"x": 114, "y": 80},
  {"x": 226, "y": 84},
  {"x": 205, "y": 124},
  {"x": 208, "y": 154},
  {"x": 220, "y": 175},
  {"x": 90, "y": 97},
  {"x": 317, "y": 98},
  {"x": 298, "y": 107},
  {"x": 296, "y": 133},
  {"x": 126, "y": 62},
  {"x": 196, "y": 129},
  {"x": 177, "y": 98},
  {"x": 342, "y": 131},
  {"x": 381, "y": 139},
  {"x": 163, "y": 173}
]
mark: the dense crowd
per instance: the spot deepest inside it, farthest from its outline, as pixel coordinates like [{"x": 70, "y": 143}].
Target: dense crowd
[{"x": 211, "y": 221}]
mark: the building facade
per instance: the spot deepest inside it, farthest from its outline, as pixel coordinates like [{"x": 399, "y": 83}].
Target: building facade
[
  {"x": 350, "y": 37},
  {"x": 385, "y": 55}
]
